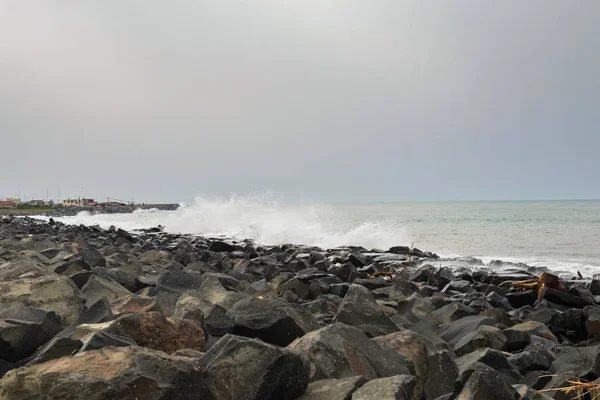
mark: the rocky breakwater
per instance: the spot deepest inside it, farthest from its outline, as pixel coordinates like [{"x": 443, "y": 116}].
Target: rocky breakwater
[{"x": 87, "y": 313}]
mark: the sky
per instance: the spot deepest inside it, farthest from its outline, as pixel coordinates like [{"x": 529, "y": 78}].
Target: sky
[{"x": 331, "y": 100}]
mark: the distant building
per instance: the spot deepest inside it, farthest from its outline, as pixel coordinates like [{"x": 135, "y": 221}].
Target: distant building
[
  {"x": 78, "y": 203},
  {"x": 35, "y": 203},
  {"x": 7, "y": 204}
]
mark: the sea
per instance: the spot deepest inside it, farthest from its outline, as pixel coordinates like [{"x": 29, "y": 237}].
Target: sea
[{"x": 563, "y": 236}]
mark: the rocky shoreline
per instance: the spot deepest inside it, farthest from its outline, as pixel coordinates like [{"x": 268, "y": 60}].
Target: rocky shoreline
[{"x": 87, "y": 313}]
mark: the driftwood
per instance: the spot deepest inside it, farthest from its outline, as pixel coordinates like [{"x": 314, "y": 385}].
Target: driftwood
[{"x": 545, "y": 280}]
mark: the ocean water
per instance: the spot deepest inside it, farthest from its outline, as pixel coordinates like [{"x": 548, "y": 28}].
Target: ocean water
[{"x": 561, "y": 235}]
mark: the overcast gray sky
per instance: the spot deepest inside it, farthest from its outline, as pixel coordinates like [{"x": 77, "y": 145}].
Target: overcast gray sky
[{"x": 340, "y": 100}]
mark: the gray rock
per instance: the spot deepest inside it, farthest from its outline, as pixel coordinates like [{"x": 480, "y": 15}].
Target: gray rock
[
  {"x": 341, "y": 351},
  {"x": 532, "y": 360},
  {"x": 484, "y": 336},
  {"x": 453, "y": 332},
  {"x": 485, "y": 384},
  {"x": 494, "y": 359},
  {"x": 333, "y": 389},
  {"x": 271, "y": 320},
  {"x": 519, "y": 336},
  {"x": 399, "y": 387},
  {"x": 106, "y": 374},
  {"x": 239, "y": 368},
  {"x": 360, "y": 309}
]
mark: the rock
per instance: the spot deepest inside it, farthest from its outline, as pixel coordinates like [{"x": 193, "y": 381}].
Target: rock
[
  {"x": 453, "y": 332},
  {"x": 484, "y": 336},
  {"x": 92, "y": 257},
  {"x": 532, "y": 360},
  {"x": 487, "y": 385},
  {"x": 296, "y": 286},
  {"x": 569, "y": 300},
  {"x": 154, "y": 331},
  {"x": 106, "y": 374},
  {"x": 592, "y": 321},
  {"x": 576, "y": 361},
  {"x": 132, "y": 304},
  {"x": 341, "y": 351},
  {"x": 22, "y": 268},
  {"x": 189, "y": 307},
  {"x": 271, "y": 320},
  {"x": 595, "y": 287},
  {"x": 98, "y": 287},
  {"x": 24, "y": 329},
  {"x": 333, "y": 389},
  {"x": 459, "y": 286},
  {"x": 519, "y": 336},
  {"x": 399, "y": 387},
  {"x": 49, "y": 293},
  {"x": 98, "y": 340},
  {"x": 527, "y": 393},
  {"x": 220, "y": 246},
  {"x": 360, "y": 309},
  {"x": 434, "y": 371},
  {"x": 522, "y": 298},
  {"x": 494, "y": 359},
  {"x": 239, "y": 368},
  {"x": 450, "y": 313}
]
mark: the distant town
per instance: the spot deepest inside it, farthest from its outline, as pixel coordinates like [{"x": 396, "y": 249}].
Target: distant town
[{"x": 9, "y": 204}]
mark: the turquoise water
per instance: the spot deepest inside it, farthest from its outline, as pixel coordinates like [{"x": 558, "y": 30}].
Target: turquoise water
[{"x": 562, "y": 235}]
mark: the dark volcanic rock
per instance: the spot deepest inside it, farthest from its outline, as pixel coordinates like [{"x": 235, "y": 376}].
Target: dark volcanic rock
[
  {"x": 399, "y": 387},
  {"x": 492, "y": 358},
  {"x": 453, "y": 332},
  {"x": 519, "y": 336},
  {"x": 485, "y": 384},
  {"x": 360, "y": 309},
  {"x": 577, "y": 361},
  {"x": 341, "y": 351},
  {"x": 240, "y": 368},
  {"x": 333, "y": 389},
  {"x": 484, "y": 336},
  {"x": 434, "y": 371},
  {"x": 106, "y": 374},
  {"x": 24, "y": 329},
  {"x": 271, "y": 320}
]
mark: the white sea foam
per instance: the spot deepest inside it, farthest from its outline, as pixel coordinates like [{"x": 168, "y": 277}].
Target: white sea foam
[{"x": 262, "y": 218}]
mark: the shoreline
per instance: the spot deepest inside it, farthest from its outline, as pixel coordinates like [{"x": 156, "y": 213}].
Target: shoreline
[{"x": 86, "y": 299}]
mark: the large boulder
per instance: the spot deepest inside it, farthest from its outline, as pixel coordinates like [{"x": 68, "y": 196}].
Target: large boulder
[
  {"x": 191, "y": 305},
  {"x": 519, "y": 336},
  {"x": 435, "y": 371},
  {"x": 24, "y": 329},
  {"x": 399, "y": 387},
  {"x": 341, "y": 351},
  {"x": 577, "y": 361},
  {"x": 126, "y": 373},
  {"x": 455, "y": 331},
  {"x": 98, "y": 287},
  {"x": 333, "y": 389},
  {"x": 239, "y": 368},
  {"x": 155, "y": 331},
  {"x": 492, "y": 358},
  {"x": 49, "y": 293},
  {"x": 484, "y": 336},
  {"x": 485, "y": 384},
  {"x": 271, "y": 320},
  {"x": 360, "y": 309}
]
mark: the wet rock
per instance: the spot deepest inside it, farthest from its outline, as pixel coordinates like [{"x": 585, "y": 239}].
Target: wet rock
[
  {"x": 532, "y": 360},
  {"x": 92, "y": 256},
  {"x": 451, "y": 312},
  {"x": 484, "y": 336},
  {"x": 567, "y": 299},
  {"x": 360, "y": 309},
  {"x": 459, "y": 286},
  {"x": 154, "y": 331},
  {"x": 98, "y": 287},
  {"x": 576, "y": 361},
  {"x": 333, "y": 389},
  {"x": 399, "y": 387},
  {"x": 522, "y": 298},
  {"x": 453, "y": 332},
  {"x": 519, "y": 336},
  {"x": 485, "y": 384},
  {"x": 434, "y": 371},
  {"x": 494, "y": 359},
  {"x": 527, "y": 393},
  {"x": 239, "y": 368},
  {"x": 220, "y": 246},
  {"x": 341, "y": 351},
  {"x": 106, "y": 374},
  {"x": 592, "y": 321},
  {"x": 24, "y": 329},
  {"x": 271, "y": 320},
  {"x": 49, "y": 293}
]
